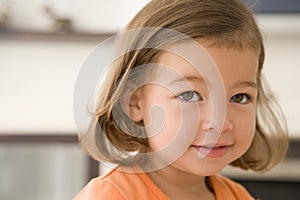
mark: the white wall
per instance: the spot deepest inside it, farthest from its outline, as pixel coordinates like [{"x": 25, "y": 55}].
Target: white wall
[
  {"x": 36, "y": 84},
  {"x": 37, "y": 77},
  {"x": 282, "y": 66},
  {"x": 87, "y": 16}
]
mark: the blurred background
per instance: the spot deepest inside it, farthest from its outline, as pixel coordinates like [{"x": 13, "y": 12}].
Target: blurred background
[{"x": 43, "y": 44}]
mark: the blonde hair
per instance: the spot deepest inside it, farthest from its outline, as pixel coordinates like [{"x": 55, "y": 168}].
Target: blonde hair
[{"x": 225, "y": 23}]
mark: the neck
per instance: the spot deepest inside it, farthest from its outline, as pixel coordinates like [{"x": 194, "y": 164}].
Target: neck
[{"x": 176, "y": 183}]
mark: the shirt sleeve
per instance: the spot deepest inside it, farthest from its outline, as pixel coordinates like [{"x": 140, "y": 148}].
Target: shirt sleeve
[{"x": 103, "y": 190}]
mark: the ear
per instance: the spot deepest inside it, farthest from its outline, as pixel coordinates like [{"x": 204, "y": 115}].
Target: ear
[{"x": 134, "y": 107}]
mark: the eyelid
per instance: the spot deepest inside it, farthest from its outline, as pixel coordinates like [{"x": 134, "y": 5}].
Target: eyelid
[
  {"x": 249, "y": 98},
  {"x": 199, "y": 97}
]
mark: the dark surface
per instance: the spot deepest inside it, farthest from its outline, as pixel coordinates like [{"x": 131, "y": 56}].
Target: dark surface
[
  {"x": 260, "y": 189},
  {"x": 276, "y": 190},
  {"x": 274, "y": 6},
  {"x": 269, "y": 190}
]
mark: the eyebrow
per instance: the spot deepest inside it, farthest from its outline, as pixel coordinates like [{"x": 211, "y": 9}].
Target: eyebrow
[
  {"x": 246, "y": 84},
  {"x": 187, "y": 78},
  {"x": 200, "y": 79}
]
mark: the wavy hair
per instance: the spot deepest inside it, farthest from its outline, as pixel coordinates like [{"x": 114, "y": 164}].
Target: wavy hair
[{"x": 224, "y": 23}]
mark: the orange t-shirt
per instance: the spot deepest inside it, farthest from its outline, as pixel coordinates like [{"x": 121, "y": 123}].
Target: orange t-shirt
[{"x": 130, "y": 186}]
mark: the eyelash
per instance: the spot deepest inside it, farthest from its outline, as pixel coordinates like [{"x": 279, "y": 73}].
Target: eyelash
[
  {"x": 194, "y": 93},
  {"x": 247, "y": 96},
  {"x": 199, "y": 98}
]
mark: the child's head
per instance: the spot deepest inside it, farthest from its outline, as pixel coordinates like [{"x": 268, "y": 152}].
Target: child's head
[{"x": 230, "y": 35}]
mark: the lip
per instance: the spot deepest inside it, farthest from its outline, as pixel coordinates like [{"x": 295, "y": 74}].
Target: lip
[{"x": 212, "y": 151}]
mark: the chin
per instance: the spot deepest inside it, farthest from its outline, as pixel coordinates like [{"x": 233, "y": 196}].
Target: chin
[
  {"x": 205, "y": 170},
  {"x": 210, "y": 172}
]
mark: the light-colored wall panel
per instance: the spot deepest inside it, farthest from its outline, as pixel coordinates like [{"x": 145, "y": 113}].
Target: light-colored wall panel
[
  {"x": 37, "y": 77},
  {"x": 282, "y": 65},
  {"x": 36, "y": 84}
]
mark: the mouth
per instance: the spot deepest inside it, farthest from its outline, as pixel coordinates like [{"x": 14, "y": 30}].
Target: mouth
[{"x": 213, "y": 151}]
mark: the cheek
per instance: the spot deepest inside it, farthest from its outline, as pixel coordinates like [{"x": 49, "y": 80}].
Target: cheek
[
  {"x": 246, "y": 129},
  {"x": 163, "y": 125}
]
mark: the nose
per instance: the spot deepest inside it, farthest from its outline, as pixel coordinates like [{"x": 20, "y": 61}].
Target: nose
[
  {"x": 208, "y": 122},
  {"x": 206, "y": 125},
  {"x": 228, "y": 125}
]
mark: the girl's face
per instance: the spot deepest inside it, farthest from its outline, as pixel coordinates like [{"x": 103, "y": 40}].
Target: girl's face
[{"x": 238, "y": 69}]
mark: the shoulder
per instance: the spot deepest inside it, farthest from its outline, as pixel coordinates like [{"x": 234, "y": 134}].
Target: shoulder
[
  {"x": 100, "y": 188},
  {"x": 119, "y": 184},
  {"x": 225, "y": 188}
]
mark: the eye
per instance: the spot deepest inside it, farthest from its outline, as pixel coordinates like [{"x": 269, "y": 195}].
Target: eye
[
  {"x": 190, "y": 96},
  {"x": 240, "y": 98}
]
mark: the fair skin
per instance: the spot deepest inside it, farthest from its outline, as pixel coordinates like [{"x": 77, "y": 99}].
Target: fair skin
[{"x": 185, "y": 177}]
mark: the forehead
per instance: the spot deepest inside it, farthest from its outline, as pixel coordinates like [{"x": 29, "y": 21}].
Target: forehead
[{"x": 232, "y": 64}]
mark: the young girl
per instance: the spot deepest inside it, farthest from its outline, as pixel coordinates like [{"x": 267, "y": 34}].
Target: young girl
[{"x": 185, "y": 98}]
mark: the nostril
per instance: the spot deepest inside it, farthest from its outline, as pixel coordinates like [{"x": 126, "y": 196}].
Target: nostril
[
  {"x": 206, "y": 125},
  {"x": 227, "y": 126}
]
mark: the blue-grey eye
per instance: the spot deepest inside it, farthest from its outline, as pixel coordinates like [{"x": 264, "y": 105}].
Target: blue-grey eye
[
  {"x": 190, "y": 96},
  {"x": 240, "y": 98}
]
